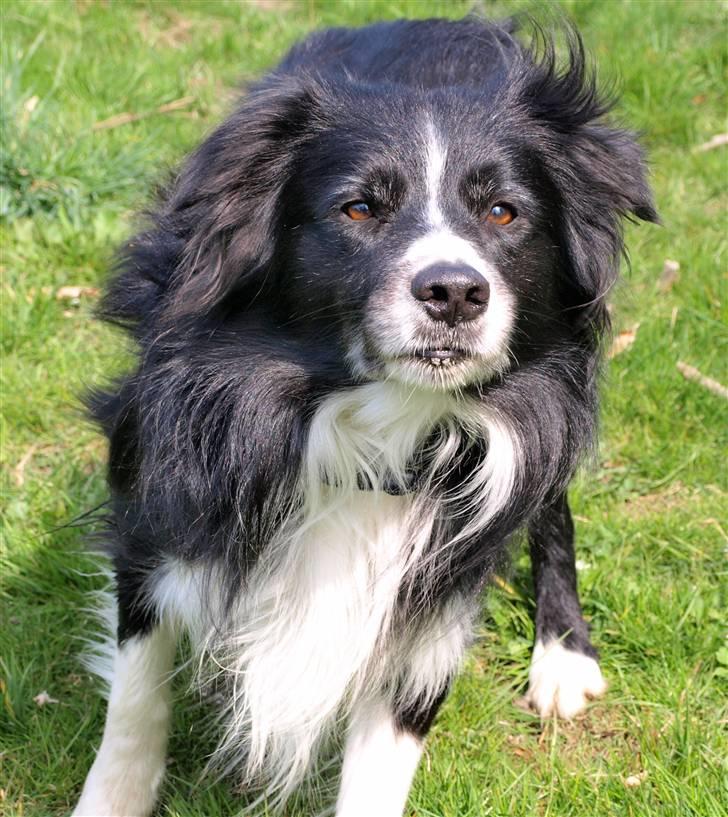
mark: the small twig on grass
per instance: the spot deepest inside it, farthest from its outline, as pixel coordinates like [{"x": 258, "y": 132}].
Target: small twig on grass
[
  {"x": 19, "y": 470},
  {"x": 716, "y": 142},
  {"x": 126, "y": 117},
  {"x": 691, "y": 373}
]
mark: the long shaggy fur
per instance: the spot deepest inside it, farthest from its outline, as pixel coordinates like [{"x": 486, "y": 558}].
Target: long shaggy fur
[{"x": 323, "y": 530}]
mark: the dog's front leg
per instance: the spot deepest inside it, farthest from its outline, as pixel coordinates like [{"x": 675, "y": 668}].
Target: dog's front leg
[
  {"x": 380, "y": 759},
  {"x": 130, "y": 763},
  {"x": 564, "y": 670}
]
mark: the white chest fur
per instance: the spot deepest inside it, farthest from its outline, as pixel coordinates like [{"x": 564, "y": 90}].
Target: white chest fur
[
  {"x": 308, "y": 636},
  {"x": 310, "y": 633}
]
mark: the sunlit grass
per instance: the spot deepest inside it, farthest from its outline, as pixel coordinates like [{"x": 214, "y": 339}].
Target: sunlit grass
[{"x": 651, "y": 516}]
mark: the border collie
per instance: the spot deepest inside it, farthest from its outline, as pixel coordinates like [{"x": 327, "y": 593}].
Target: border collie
[{"x": 369, "y": 312}]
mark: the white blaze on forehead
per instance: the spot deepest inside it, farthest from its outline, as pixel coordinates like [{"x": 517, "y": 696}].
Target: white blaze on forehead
[
  {"x": 436, "y": 153},
  {"x": 440, "y": 244},
  {"x": 443, "y": 246}
]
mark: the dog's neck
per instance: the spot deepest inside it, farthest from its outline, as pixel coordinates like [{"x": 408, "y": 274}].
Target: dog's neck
[{"x": 391, "y": 438}]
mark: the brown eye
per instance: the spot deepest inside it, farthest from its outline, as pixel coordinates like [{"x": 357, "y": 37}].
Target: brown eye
[
  {"x": 500, "y": 214},
  {"x": 357, "y": 211}
]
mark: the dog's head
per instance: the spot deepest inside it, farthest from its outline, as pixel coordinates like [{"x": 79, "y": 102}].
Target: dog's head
[{"x": 430, "y": 235}]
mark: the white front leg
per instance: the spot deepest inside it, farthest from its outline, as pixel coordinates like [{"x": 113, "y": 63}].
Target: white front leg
[
  {"x": 129, "y": 766},
  {"x": 379, "y": 763}
]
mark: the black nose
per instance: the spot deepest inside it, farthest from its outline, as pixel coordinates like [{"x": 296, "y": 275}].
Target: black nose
[{"x": 451, "y": 292}]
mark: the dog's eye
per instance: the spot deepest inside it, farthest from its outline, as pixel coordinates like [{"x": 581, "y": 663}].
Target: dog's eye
[
  {"x": 357, "y": 210},
  {"x": 500, "y": 214}
]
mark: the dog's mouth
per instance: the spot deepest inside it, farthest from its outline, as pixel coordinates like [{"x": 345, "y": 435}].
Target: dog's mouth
[
  {"x": 445, "y": 356},
  {"x": 444, "y": 368}
]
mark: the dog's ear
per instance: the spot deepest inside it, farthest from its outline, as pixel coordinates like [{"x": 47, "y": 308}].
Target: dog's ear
[
  {"x": 225, "y": 203},
  {"x": 605, "y": 182},
  {"x": 613, "y": 161},
  {"x": 599, "y": 173}
]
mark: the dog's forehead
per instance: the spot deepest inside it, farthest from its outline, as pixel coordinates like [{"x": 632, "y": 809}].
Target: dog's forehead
[{"x": 423, "y": 136}]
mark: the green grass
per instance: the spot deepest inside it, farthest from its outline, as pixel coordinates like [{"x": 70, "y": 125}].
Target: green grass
[{"x": 652, "y": 530}]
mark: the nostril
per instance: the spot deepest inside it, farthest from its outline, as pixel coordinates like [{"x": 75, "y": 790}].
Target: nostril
[
  {"x": 439, "y": 293},
  {"x": 478, "y": 294}
]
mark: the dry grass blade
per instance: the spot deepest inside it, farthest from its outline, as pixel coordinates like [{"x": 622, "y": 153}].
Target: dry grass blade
[
  {"x": 19, "y": 470},
  {"x": 691, "y": 373},
  {"x": 127, "y": 117},
  {"x": 717, "y": 141},
  {"x": 623, "y": 341},
  {"x": 74, "y": 293},
  {"x": 505, "y": 586}
]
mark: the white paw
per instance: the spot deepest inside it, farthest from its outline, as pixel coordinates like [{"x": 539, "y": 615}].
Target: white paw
[{"x": 561, "y": 680}]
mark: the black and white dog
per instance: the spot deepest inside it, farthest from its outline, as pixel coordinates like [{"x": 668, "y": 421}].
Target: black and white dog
[{"x": 369, "y": 312}]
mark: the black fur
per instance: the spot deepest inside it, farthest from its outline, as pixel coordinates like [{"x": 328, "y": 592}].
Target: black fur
[
  {"x": 417, "y": 718},
  {"x": 558, "y": 612}
]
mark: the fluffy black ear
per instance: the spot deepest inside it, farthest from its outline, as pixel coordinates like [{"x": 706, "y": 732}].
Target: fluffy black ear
[
  {"x": 609, "y": 185},
  {"x": 227, "y": 198},
  {"x": 599, "y": 173},
  {"x": 214, "y": 228}
]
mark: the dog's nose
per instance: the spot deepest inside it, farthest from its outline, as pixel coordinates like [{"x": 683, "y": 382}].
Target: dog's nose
[{"x": 451, "y": 292}]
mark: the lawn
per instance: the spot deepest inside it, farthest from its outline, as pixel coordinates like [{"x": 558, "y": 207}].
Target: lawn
[{"x": 98, "y": 99}]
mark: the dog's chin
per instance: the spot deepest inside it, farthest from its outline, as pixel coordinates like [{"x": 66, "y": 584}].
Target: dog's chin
[
  {"x": 442, "y": 369},
  {"x": 436, "y": 364}
]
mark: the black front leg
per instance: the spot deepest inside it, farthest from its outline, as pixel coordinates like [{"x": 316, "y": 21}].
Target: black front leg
[
  {"x": 564, "y": 669},
  {"x": 558, "y": 612}
]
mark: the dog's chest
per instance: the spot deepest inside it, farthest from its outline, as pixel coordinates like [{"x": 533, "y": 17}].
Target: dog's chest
[{"x": 344, "y": 567}]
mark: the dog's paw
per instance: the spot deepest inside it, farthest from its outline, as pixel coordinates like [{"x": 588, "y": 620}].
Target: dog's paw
[{"x": 561, "y": 680}]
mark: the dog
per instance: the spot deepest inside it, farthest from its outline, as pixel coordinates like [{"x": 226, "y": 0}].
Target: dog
[{"x": 369, "y": 310}]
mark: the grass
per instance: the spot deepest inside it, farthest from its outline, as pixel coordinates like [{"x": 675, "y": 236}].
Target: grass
[{"x": 651, "y": 515}]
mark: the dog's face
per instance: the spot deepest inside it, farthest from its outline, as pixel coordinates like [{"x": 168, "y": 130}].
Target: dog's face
[
  {"x": 432, "y": 237},
  {"x": 414, "y": 232}
]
